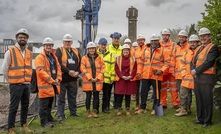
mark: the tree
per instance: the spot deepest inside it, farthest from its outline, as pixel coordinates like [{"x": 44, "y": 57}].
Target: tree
[{"x": 212, "y": 21}]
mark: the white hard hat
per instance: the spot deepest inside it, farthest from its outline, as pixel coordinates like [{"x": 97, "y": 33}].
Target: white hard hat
[
  {"x": 154, "y": 37},
  {"x": 127, "y": 40},
  {"x": 140, "y": 36},
  {"x": 165, "y": 31},
  {"x": 135, "y": 44},
  {"x": 194, "y": 37},
  {"x": 67, "y": 37},
  {"x": 203, "y": 31},
  {"x": 48, "y": 40},
  {"x": 183, "y": 33},
  {"x": 125, "y": 46},
  {"x": 22, "y": 31},
  {"x": 91, "y": 45}
]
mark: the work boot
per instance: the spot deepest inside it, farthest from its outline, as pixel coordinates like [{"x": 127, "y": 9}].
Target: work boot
[
  {"x": 137, "y": 107},
  {"x": 141, "y": 111},
  {"x": 152, "y": 112},
  {"x": 26, "y": 129},
  {"x": 178, "y": 110},
  {"x": 11, "y": 131},
  {"x": 94, "y": 113},
  {"x": 128, "y": 111},
  {"x": 119, "y": 112},
  {"x": 89, "y": 115},
  {"x": 183, "y": 112},
  {"x": 48, "y": 125}
]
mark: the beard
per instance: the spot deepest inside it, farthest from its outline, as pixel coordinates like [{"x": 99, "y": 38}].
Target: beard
[{"x": 22, "y": 43}]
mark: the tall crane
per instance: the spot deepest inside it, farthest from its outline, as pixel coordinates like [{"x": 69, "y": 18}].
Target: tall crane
[{"x": 88, "y": 15}]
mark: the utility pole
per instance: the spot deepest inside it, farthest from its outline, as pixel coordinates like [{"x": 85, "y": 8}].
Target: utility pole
[{"x": 132, "y": 14}]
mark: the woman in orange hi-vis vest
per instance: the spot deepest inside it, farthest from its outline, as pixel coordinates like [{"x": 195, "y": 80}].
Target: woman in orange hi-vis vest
[
  {"x": 48, "y": 72},
  {"x": 92, "y": 68},
  {"x": 126, "y": 69},
  {"x": 187, "y": 84}
]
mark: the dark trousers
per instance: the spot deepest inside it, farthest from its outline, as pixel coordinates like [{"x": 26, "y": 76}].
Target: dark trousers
[
  {"x": 120, "y": 100},
  {"x": 138, "y": 93},
  {"x": 145, "y": 88},
  {"x": 204, "y": 101},
  {"x": 45, "y": 105},
  {"x": 95, "y": 100},
  {"x": 18, "y": 93},
  {"x": 71, "y": 89},
  {"x": 106, "y": 96}
]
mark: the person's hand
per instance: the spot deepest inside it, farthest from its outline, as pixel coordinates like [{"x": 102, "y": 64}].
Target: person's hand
[
  {"x": 124, "y": 77},
  {"x": 129, "y": 77},
  {"x": 55, "y": 82},
  {"x": 76, "y": 74},
  {"x": 158, "y": 72},
  {"x": 193, "y": 72},
  {"x": 138, "y": 75},
  {"x": 71, "y": 73}
]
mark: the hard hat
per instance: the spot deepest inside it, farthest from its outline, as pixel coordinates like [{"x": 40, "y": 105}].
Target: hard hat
[
  {"x": 67, "y": 37},
  {"x": 125, "y": 46},
  {"x": 183, "y": 33},
  {"x": 140, "y": 36},
  {"x": 91, "y": 45},
  {"x": 154, "y": 37},
  {"x": 135, "y": 44},
  {"x": 203, "y": 31},
  {"x": 165, "y": 31},
  {"x": 194, "y": 37},
  {"x": 102, "y": 41},
  {"x": 48, "y": 40},
  {"x": 127, "y": 40},
  {"x": 22, "y": 31},
  {"x": 115, "y": 35}
]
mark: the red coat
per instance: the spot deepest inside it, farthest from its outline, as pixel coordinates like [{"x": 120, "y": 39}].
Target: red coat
[{"x": 122, "y": 86}]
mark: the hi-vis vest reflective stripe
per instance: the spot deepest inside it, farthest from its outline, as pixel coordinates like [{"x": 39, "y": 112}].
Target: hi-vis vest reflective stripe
[
  {"x": 20, "y": 70},
  {"x": 64, "y": 57},
  {"x": 119, "y": 62},
  {"x": 202, "y": 57}
]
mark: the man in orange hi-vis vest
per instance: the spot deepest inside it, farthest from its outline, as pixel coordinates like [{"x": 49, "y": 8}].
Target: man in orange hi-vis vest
[
  {"x": 17, "y": 70},
  {"x": 169, "y": 81},
  {"x": 204, "y": 71}
]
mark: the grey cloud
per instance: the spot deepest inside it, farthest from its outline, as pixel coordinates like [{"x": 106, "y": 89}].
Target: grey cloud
[{"x": 157, "y": 3}]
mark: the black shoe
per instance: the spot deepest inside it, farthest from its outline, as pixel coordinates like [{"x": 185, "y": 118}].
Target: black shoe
[
  {"x": 197, "y": 122},
  {"x": 106, "y": 111},
  {"x": 75, "y": 115},
  {"x": 48, "y": 125},
  {"x": 206, "y": 124},
  {"x": 54, "y": 121},
  {"x": 164, "y": 107},
  {"x": 61, "y": 118}
]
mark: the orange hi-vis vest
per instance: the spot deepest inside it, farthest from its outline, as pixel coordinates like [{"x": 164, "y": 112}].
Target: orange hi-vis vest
[
  {"x": 159, "y": 61},
  {"x": 179, "y": 53},
  {"x": 20, "y": 70},
  {"x": 170, "y": 48},
  {"x": 119, "y": 63},
  {"x": 185, "y": 66},
  {"x": 44, "y": 79},
  {"x": 86, "y": 70},
  {"x": 64, "y": 57},
  {"x": 201, "y": 57}
]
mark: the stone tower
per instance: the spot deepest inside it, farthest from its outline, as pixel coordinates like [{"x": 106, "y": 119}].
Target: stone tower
[{"x": 132, "y": 14}]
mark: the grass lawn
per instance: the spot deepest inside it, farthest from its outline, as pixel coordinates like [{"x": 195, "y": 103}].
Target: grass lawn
[{"x": 134, "y": 124}]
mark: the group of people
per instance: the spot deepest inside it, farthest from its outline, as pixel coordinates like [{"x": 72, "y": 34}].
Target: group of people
[{"x": 131, "y": 68}]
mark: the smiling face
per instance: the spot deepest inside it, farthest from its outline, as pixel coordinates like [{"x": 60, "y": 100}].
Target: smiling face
[
  {"x": 67, "y": 44},
  {"x": 193, "y": 44},
  {"x": 22, "y": 39},
  {"x": 140, "y": 42},
  {"x": 102, "y": 47},
  {"x": 48, "y": 47},
  {"x": 205, "y": 38},
  {"x": 116, "y": 41},
  {"x": 182, "y": 39},
  {"x": 126, "y": 52},
  {"x": 165, "y": 37},
  {"x": 91, "y": 51}
]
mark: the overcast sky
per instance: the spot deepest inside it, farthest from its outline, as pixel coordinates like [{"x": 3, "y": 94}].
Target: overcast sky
[{"x": 54, "y": 18}]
